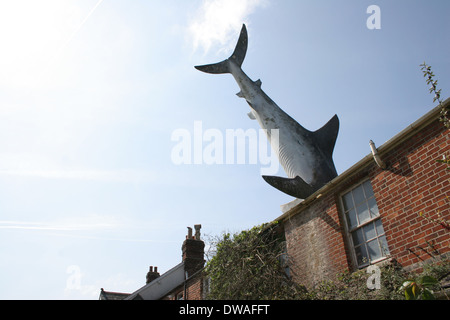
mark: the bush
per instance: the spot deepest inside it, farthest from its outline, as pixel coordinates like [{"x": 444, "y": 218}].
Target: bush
[
  {"x": 251, "y": 265},
  {"x": 353, "y": 286}
]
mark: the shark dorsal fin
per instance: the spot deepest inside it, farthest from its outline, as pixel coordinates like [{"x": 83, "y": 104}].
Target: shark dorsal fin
[{"x": 326, "y": 136}]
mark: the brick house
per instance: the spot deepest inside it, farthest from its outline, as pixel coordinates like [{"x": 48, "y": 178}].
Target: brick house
[
  {"x": 367, "y": 215},
  {"x": 370, "y": 213},
  {"x": 183, "y": 282}
]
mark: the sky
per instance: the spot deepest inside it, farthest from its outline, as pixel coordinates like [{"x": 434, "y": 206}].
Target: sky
[{"x": 94, "y": 94}]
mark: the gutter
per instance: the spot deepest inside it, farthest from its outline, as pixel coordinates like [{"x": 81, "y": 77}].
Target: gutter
[{"x": 399, "y": 138}]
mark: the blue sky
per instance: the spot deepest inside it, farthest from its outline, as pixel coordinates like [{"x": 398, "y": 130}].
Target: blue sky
[{"x": 92, "y": 91}]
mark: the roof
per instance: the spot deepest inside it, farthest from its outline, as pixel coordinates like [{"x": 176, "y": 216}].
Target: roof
[
  {"x": 109, "y": 295},
  {"x": 161, "y": 286},
  {"x": 296, "y": 206}
]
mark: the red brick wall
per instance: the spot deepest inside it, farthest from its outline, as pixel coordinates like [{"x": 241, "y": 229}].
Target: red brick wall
[
  {"x": 316, "y": 239},
  {"x": 315, "y": 242},
  {"x": 416, "y": 183},
  {"x": 194, "y": 290}
]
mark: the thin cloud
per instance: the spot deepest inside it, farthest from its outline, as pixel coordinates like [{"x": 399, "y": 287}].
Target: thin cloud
[
  {"x": 57, "y": 226},
  {"x": 84, "y": 175},
  {"x": 94, "y": 227},
  {"x": 217, "y": 21}
]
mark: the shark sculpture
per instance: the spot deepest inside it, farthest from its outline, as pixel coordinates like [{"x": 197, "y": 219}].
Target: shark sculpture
[{"x": 305, "y": 156}]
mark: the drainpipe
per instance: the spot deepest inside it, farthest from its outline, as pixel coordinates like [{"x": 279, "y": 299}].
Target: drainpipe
[
  {"x": 376, "y": 156},
  {"x": 185, "y": 285}
]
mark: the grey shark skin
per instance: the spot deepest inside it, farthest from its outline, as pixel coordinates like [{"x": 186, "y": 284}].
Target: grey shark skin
[{"x": 305, "y": 156}]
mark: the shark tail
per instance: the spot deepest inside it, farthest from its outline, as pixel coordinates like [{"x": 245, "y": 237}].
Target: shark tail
[{"x": 237, "y": 57}]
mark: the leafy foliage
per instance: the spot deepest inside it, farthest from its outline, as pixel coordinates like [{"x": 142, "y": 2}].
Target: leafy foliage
[
  {"x": 425, "y": 285},
  {"x": 419, "y": 288},
  {"x": 445, "y": 111},
  {"x": 353, "y": 286},
  {"x": 393, "y": 286},
  {"x": 251, "y": 265}
]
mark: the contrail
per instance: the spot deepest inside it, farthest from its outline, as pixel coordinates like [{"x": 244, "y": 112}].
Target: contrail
[
  {"x": 77, "y": 29},
  {"x": 64, "y": 45}
]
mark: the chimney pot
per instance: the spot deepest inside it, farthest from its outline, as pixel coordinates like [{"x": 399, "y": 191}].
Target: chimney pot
[
  {"x": 152, "y": 274},
  {"x": 197, "y": 231}
]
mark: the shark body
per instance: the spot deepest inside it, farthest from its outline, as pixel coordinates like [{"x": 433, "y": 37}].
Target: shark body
[{"x": 305, "y": 156}]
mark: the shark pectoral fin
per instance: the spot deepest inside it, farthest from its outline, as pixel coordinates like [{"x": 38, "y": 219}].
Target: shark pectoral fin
[
  {"x": 295, "y": 187},
  {"x": 326, "y": 136},
  {"x": 251, "y": 115}
]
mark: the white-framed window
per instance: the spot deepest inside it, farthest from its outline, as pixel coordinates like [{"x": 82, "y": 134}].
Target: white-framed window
[
  {"x": 180, "y": 296},
  {"x": 206, "y": 287},
  {"x": 365, "y": 229}
]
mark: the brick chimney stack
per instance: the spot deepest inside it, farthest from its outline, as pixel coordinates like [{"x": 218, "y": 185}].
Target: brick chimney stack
[
  {"x": 193, "y": 251},
  {"x": 152, "y": 275}
]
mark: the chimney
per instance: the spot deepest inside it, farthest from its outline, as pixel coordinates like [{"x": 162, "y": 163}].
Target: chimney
[
  {"x": 193, "y": 251},
  {"x": 152, "y": 274}
]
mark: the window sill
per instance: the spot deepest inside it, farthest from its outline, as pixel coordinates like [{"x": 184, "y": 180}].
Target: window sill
[{"x": 381, "y": 262}]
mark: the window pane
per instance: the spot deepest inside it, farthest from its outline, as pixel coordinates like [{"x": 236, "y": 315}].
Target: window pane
[
  {"x": 352, "y": 218},
  {"x": 368, "y": 189},
  {"x": 369, "y": 231},
  {"x": 358, "y": 195},
  {"x": 379, "y": 227},
  {"x": 363, "y": 213},
  {"x": 348, "y": 201},
  {"x": 364, "y": 221},
  {"x": 384, "y": 246},
  {"x": 374, "y": 250},
  {"x": 358, "y": 237},
  {"x": 361, "y": 255},
  {"x": 373, "y": 207}
]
